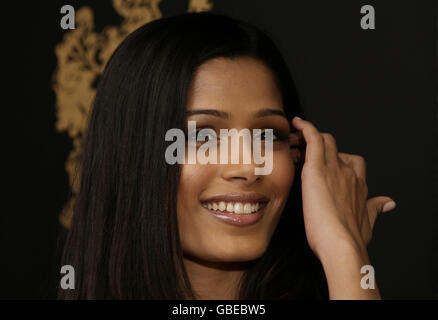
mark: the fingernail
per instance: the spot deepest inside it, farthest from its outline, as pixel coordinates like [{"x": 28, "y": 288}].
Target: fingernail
[
  {"x": 298, "y": 118},
  {"x": 389, "y": 206}
]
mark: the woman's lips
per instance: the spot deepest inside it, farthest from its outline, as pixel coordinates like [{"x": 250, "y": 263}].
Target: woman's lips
[{"x": 235, "y": 208}]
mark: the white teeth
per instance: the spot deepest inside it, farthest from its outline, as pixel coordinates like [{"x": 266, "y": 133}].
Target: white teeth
[
  {"x": 230, "y": 207},
  {"x": 238, "y": 208},
  {"x": 247, "y": 208}
]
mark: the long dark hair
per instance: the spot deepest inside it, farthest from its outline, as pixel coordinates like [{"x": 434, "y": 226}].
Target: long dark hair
[{"x": 124, "y": 241}]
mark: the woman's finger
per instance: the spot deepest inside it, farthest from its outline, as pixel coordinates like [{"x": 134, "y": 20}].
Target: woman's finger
[
  {"x": 331, "y": 149},
  {"x": 315, "y": 153},
  {"x": 379, "y": 205},
  {"x": 356, "y": 162}
]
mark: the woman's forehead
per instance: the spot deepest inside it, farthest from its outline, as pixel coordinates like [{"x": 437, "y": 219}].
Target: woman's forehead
[{"x": 232, "y": 85}]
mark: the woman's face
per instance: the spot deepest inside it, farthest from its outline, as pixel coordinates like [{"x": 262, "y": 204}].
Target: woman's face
[{"x": 240, "y": 89}]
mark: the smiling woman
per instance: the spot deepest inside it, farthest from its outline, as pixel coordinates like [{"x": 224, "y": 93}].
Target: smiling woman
[{"x": 146, "y": 228}]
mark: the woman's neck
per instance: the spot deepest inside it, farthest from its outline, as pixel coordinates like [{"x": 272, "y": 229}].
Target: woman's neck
[{"x": 214, "y": 281}]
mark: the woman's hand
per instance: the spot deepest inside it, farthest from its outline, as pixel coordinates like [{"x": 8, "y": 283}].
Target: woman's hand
[{"x": 338, "y": 217}]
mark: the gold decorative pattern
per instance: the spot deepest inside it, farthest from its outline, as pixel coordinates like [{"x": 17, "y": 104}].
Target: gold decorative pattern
[{"x": 82, "y": 56}]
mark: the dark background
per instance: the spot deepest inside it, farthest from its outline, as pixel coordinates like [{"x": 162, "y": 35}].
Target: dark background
[{"x": 374, "y": 90}]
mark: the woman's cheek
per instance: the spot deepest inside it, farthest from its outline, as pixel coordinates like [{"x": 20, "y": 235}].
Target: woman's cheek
[{"x": 194, "y": 179}]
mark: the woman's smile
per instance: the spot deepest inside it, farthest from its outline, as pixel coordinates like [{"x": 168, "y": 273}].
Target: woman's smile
[{"x": 238, "y": 209}]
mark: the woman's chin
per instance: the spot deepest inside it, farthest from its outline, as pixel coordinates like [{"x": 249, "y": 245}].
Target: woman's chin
[{"x": 236, "y": 255}]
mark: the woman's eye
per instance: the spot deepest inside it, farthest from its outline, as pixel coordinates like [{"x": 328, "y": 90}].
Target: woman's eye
[
  {"x": 204, "y": 136},
  {"x": 263, "y": 135},
  {"x": 209, "y": 136},
  {"x": 277, "y": 135}
]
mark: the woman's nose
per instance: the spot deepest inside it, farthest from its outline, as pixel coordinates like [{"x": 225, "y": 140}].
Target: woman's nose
[
  {"x": 242, "y": 170},
  {"x": 242, "y": 173}
]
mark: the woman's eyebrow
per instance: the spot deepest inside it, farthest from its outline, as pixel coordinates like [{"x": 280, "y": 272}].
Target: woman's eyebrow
[
  {"x": 212, "y": 112},
  {"x": 270, "y": 112},
  {"x": 225, "y": 115}
]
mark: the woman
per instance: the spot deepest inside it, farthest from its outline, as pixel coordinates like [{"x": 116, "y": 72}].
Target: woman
[{"x": 144, "y": 228}]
